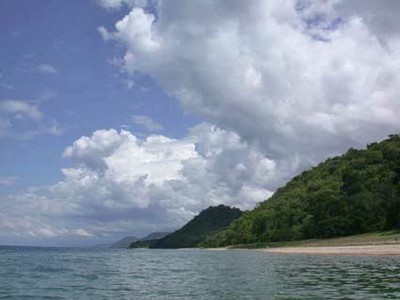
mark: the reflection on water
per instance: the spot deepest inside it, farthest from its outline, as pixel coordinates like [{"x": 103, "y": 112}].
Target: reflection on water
[{"x": 35, "y": 273}]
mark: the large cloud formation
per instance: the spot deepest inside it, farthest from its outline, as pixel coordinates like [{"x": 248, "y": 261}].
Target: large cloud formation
[
  {"x": 286, "y": 83},
  {"x": 301, "y": 79},
  {"x": 119, "y": 184}
]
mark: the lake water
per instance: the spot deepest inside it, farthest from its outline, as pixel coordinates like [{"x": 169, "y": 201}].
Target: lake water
[{"x": 51, "y": 273}]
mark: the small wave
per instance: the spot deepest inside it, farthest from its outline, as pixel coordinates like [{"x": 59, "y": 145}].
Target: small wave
[
  {"x": 88, "y": 276},
  {"x": 42, "y": 268}
]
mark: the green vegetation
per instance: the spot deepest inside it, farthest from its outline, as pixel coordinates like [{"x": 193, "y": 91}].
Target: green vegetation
[
  {"x": 355, "y": 193},
  {"x": 209, "y": 221},
  {"x": 143, "y": 244},
  {"x": 374, "y": 238}
]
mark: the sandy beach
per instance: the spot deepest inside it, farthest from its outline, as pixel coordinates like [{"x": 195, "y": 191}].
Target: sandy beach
[{"x": 380, "y": 250}]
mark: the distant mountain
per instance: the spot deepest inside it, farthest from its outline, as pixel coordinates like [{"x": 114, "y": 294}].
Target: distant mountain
[
  {"x": 207, "y": 222},
  {"x": 143, "y": 244},
  {"x": 154, "y": 236},
  {"x": 149, "y": 240},
  {"x": 125, "y": 242}
]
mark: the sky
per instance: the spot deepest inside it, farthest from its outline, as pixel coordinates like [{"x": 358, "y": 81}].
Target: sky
[{"x": 124, "y": 117}]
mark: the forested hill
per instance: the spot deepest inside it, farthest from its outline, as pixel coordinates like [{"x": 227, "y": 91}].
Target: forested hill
[
  {"x": 206, "y": 223},
  {"x": 357, "y": 192}
]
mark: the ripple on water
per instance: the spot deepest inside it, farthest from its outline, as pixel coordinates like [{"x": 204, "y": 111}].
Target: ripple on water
[{"x": 197, "y": 274}]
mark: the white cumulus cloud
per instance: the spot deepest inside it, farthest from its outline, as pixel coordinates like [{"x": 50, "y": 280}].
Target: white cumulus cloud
[
  {"x": 8, "y": 180},
  {"x": 119, "y": 184},
  {"x": 21, "y": 109},
  {"x": 302, "y": 80},
  {"x": 24, "y": 120},
  {"x": 46, "y": 69},
  {"x": 114, "y": 4}
]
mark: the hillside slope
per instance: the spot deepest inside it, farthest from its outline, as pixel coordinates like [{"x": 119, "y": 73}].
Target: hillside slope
[
  {"x": 355, "y": 193},
  {"x": 207, "y": 222},
  {"x": 147, "y": 241},
  {"x": 125, "y": 242},
  {"x": 154, "y": 236}
]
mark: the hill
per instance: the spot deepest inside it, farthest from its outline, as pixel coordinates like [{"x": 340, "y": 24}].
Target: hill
[
  {"x": 125, "y": 242},
  {"x": 147, "y": 241},
  {"x": 154, "y": 236},
  {"x": 207, "y": 222},
  {"x": 358, "y": 192}
]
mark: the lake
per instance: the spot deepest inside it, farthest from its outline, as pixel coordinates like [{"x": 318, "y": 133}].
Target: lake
[{"x": 77, "y": 273}]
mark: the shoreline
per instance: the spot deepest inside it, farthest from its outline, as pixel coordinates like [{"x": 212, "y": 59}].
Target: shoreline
[
  {"x": 359, "y": 250},
  {"x": 350, "y": 250},
  {"x": 384, "y": 243}
]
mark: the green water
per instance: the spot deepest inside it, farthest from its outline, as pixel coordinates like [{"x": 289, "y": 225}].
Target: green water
[{"x": 50, "y": 273}]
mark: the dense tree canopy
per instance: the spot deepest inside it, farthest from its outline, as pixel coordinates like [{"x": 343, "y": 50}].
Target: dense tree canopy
[
  {"x": 209, "y": 221},
  {"x": 354, "y": 193}
]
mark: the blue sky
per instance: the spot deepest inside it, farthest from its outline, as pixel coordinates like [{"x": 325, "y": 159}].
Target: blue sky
[
  {"x": 84, "y": 93},
  {"x": 124, "y": 117}
]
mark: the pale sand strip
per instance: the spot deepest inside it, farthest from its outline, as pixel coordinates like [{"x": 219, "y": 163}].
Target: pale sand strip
[{"x": 339, "y": 250}]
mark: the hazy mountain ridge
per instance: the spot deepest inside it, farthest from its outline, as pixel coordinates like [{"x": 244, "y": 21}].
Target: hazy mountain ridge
[
  {"x": 154, "y": 236},
  {"x": 124, "y": 242},
  {"x": 127, "y": 241},
  {"x": 149, "y": 240}
]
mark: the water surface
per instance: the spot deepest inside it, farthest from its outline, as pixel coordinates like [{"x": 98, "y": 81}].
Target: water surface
[{"x": 57, "y": 273}]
